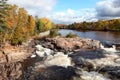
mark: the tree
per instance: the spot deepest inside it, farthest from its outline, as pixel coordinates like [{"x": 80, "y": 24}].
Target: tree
[
  {"x": 31, "y": 25},
  {"x": 21, "y": 31},
  {"x": 117, "y": 24},
  {"x": 41, "y": 27},
  {"x": 3, "y": 12},
  {"x": 12, "y": 20},
  {"x": 4, "y": 7},
  {"x": 46, "y": 23},
  {"x": 12, "y": 17},
  {"x": 23, "y": 23},
  {"x": 17, "y": 37}
]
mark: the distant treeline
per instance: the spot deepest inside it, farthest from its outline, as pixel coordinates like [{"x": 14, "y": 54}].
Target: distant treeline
[
  {"x": 16, "y": 25},
  {"x": 106, "y": 25}
]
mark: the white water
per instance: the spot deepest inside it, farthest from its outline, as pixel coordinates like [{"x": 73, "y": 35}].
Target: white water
[
  {"x": 42, "y": 52},
  {"x": 60, "y": 59},
  {"x": 111, "y": 49}
]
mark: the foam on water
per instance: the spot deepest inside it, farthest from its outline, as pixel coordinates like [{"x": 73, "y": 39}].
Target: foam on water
[{"x": 109, "y": 49}]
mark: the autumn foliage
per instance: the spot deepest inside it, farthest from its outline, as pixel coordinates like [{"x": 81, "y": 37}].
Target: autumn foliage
[
  {"x": 16, "y": 25},
  {"x": 106, "y": 25}
]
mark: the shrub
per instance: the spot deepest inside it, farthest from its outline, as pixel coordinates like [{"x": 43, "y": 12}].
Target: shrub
[
  {"x": 70, "y": 35},
  {"x": 37, "y": 37},
  {"x": 53, "y": 33}
]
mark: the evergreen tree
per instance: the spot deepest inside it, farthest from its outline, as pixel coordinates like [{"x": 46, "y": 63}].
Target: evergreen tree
[{"x": 4, "y": 7}]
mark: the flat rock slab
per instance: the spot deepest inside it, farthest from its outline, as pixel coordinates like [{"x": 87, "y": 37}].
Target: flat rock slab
[
  {"x": 62, "y": 43},
  {"x": 53, "y": 73},
  {"x": 89, "y": 54}
]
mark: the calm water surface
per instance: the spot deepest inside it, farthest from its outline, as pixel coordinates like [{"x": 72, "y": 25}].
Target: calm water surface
[{"x": 97, "y": 35}]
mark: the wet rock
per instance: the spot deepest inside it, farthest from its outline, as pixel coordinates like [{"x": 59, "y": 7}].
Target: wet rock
[
  {"x": 107, "y": 44},
  {"x": 48, "y": 45},
  {"x": 94, "y": 60},
  {"x": 85, "y": 64},
  {"x": 90, "y": 54},
  {"x": 53, "y": 73},
  {"x": 112, "y": 71},
  {"x": 118, "y": 46}
]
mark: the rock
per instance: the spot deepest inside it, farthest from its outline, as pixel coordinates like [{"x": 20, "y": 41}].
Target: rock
[
  {"x": 85, "y": 64},
  {"x": 117, "y": 60},
  {"x": 73, "y": 43},
  {"x": 11, "y": 71},
  {"x": 53, "y": 73},
  {"x": 118, "y": 46},
  {"x": 59, "y": 59},
  {"x": 2, "y": 57},
  {"x": 48, "y": 45},
  {"x": 112, "y": 71},
  {"x": 107, "y": 44},
  {"x": 94, "y": 60}
]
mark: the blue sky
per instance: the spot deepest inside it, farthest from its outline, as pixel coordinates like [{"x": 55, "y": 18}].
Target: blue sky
[
  {"x": 75, "y": 4},
  {"x": 69, "y": 11}
]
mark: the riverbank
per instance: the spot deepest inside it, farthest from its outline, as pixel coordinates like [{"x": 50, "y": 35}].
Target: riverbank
[
  {"x": 78, "y": 64},
  {"x": 55, "y": 57}
]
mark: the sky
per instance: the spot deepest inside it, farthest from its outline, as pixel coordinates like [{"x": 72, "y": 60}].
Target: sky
[{"x": 70, "y": 11}]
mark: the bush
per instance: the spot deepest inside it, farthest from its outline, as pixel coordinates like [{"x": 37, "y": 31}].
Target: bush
[
  {"x": 70, "y": 35},
  {"x": 53, "y": 33}
]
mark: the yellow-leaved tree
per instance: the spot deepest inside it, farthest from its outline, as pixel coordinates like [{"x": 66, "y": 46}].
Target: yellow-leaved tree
[
  {"x": 47, "y": 24},
  {"x": 12, "y": 20},
  {"x": 31, "y": 25},
  {"x": 21, "y": 31}
]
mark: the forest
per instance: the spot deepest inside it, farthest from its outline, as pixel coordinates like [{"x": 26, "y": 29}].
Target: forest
[
  {"x": 17, "y": 26},
  {"x": 101, "y": 25}
]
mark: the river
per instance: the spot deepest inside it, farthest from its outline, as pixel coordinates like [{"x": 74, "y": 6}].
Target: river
[
  {"x": 104, "y": 36},
  {"x": 81, "y": 58}
]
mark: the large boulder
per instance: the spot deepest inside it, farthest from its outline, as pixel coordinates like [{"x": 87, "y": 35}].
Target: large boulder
[
  {"x": 52, "y": 73},
  {"x": 73, "y": 43}
]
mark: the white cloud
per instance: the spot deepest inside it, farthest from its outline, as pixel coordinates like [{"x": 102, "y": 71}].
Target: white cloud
[
  {"x": 108, "y": 9},
  {"x": 70, "y": 16},
  {"x": 36, "y": 7},
  {"x": 44, "y": 8}
]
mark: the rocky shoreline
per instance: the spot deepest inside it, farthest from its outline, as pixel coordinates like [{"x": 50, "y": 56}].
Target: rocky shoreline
[{"x": 59, "y": 58}]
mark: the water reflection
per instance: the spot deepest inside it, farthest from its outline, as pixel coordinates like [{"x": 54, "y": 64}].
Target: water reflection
[{"x": 97, "y": 35}]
